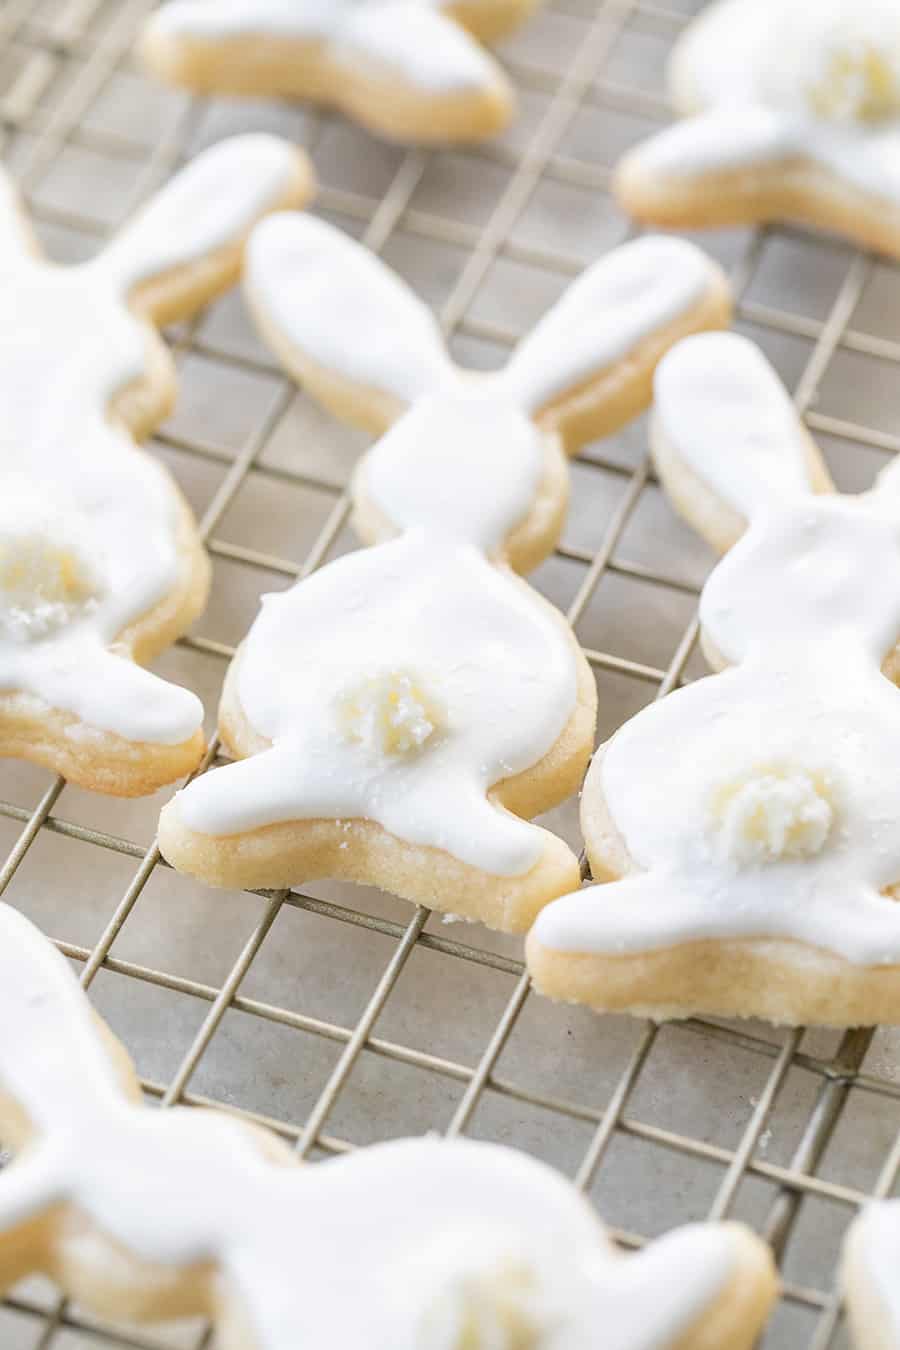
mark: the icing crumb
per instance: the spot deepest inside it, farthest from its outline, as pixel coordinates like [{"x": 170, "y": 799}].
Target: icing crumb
[
  {"x": 390, "y": 714},
  {"x": 772, "y": 815},
  {"x": 492, "y": 1310},
  {"x": 46, "y": 577}
]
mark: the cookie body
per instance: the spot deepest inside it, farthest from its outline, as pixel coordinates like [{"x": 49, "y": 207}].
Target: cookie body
[
  {"x": 100, "y": 564},
  {"x": 146, "y": 1215},
  {"x": 409, "y": 70},
  {"x": 750, "y": 823},
  {"x": 792, "y": 112}
]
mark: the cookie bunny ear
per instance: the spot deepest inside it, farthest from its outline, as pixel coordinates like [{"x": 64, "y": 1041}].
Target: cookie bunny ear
[
  {"x": 55, "y": 1047},
  {"x": 204, "y": 216},
  {"x": 342, "y": 322},
  {"x": 886, "y": 488},
  {"x": 727, "y": 440},
  {"x": 587, "y": 367}
]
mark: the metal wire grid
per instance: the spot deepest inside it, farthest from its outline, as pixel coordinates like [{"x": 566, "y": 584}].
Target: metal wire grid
[{"x": 93, "y": 38}]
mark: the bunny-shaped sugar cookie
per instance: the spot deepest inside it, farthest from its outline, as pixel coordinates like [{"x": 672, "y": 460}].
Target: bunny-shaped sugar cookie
[
  {"x": 750, "y": 822},
  {"x": 100, "y": 564},
  {"x": 791, "y": 112},
  {"x": 482, "y": 454},
  {"x": 410, "y": 70},
  {"x": 418, "y": 1244},
  {"x": 398, "y": 707}
]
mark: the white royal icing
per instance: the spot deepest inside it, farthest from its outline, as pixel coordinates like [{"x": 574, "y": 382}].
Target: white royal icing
[
  {"x": 467, "y": 460},
  {"x": 467, "y": 455},
  {"x": 778, "y": 79},
  {"x": 876, "y": 1236},
  {"x": 762, "y": 802},
  {"x": 616, "y": 304},
  {"x": 414, "y": 39},
  {"x": 89, "y": 525},
  {"x": 412, "y": 1245},
  {"x": 493, "y": 669}
]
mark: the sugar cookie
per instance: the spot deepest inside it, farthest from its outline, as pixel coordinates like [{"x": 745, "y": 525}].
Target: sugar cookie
[
  {"x": 395, "y": 714},
  {"x": 411, "y": 70},
  {"x": 418, "y": 1244},
  {"x": 869, "y": 1267},
  {"x": 482, "y": 453},
  {"x": 391, "y": 713},
  {"x": 750, "y": 822},
  {"x": 100, "y": 563},
  {"x": 793, "y": 113}
]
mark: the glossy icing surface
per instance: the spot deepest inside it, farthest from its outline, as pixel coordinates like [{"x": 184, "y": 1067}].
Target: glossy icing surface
[{"x": 413, "y": 1245}]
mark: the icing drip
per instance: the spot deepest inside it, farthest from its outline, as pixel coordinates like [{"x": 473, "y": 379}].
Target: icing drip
[
  {"x": 486, "y": 680},
  {"x": 405, "y": 1246},
  {"x": 805, "y": 844},
  {"x": 783, "y": 78},
  {"x": 90, "y": 532}
]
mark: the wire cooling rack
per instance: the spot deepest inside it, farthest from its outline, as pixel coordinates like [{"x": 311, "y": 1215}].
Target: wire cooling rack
[{"x": 340, "y": 1016}]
